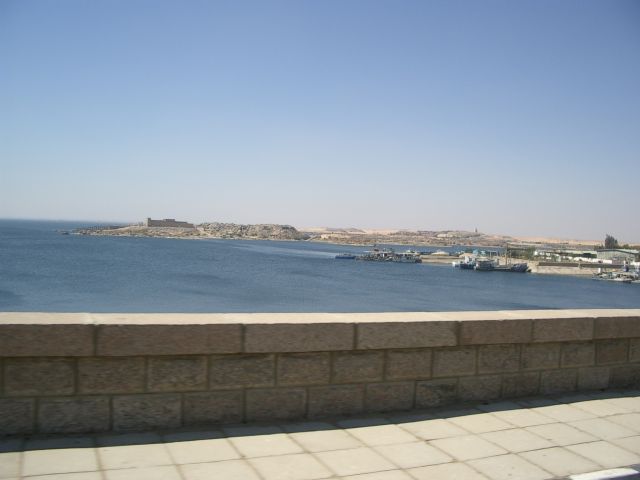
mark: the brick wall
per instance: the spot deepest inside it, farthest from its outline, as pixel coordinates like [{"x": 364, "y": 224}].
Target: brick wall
[{"x": 84, "y": 373}]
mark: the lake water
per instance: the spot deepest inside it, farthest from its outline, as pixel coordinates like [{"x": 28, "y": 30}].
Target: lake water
[{"x": 41, "y": 270}]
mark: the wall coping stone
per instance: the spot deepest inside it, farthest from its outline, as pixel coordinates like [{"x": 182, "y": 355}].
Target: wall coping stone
[{"x": 124, "y": 334}]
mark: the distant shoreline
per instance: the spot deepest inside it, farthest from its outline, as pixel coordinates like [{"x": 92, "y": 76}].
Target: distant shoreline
[{"x": 319, "y": 237}]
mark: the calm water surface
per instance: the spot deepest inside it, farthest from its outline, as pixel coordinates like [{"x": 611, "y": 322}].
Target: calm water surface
[{"x": 41, "y": 270}]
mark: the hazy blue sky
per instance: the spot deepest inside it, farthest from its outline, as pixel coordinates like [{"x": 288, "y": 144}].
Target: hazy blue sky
[{"x": 515, "y": 117}]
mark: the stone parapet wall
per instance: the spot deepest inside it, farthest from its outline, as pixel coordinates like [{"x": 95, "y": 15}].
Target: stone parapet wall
[{"x": 84, "y": 372}]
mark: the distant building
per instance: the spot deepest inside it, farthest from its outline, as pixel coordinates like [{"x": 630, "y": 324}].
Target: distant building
[
  {"x": 167, "y": 222},
  {"x": 618, "y": 255}
]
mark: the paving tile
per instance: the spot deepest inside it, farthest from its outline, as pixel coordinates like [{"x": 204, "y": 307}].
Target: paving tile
[
  {"x": 354, "y": 461},
  {"x": 434, "y": 429},
  {"x": 605, "y": 454},
  {"x": 407, "y": 417},
  {"x": 628, "y": 420},
  {"x": 302, "y": 466},
  {"x": 480, "y": 423},
  {"x": 381, "y": 435},
  {"x": 201, "y": 451},
  {"x": 629, "y": 403},
  {"x": 226, "y": 470},
  {"x": 327, "y": 439},
  {"x": 602, "y": 428},
  {"x": 134, "y": 456},
  {"x": 560, "y": 461},
  {"x": 69, "y": 476},
  {"x": 600, "y": 408},
  {"x": 261, "y": 441},
  {"x": 410, "y": 455},
  {"x": 467, "y": 447},
  {"x": 446, "y": 471},
  {"x": 517, "y": 440},
  {"x": 628, "y": 443},
  {"x": 9, "y": 464},
  {"x": 563, "y": 413},
  {"x": 508, "y": 467},
  {"x": 520, "y": 417},
  {"x": 388, "y": 475},
  {"x": 64, "y": 460},
  {"x": 561, "y": 434},
  {"x": 167, "y": 472}
]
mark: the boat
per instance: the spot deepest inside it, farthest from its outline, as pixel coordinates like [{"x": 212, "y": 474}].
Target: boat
[
  {"x": 345, "y": 256},
  {"x": 484, "y": 264},
  {"x": 621, "y": 276},
  {"x": 407, "y": 257},
  {"x": 515, "y": 267}
]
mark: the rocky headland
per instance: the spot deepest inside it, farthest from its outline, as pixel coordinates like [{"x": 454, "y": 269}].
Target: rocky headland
[
  {"x": 345, "y": 236},
  {"x": 203, "y": 230}
]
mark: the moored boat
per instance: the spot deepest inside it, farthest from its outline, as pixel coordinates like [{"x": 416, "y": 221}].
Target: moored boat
[
  {"x": 485, "y": 264},
  {"x": 345, "y": 256}
]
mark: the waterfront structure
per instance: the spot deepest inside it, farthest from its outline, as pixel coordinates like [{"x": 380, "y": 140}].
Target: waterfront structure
[
  {"x": 619, "y": 255},
  {"x": 77, "y": 372},
  {"x": 167, "y": 222}
]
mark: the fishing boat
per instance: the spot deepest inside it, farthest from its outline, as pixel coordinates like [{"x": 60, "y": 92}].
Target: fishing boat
[
  {"x": 484, "y": 264},
  {"x": 512, "y": 267}
]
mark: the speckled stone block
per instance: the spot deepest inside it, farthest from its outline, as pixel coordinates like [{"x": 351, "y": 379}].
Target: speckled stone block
[
  {"x": 541, "y": 356},
  {"x": 304, "y": 369},
  {"x": 40, "y": 376},
  {"x": 311, "y": 337},
  {"x": 406, "y": 334},
  {"x": 624, "y": 376},
  {"x": 498, "y": 358},
  {"x": 17, "y": 416},
  {"x": 612, "y": 351},
  {"x": 146, "y": 412},
  {"x": 352, "y": 367},
  {"x": 617, "y": 327},
  {"x": 593, "y": 378},
  {"x": 435, "y": 393},
  {"x": 177, "y": 374},
  {"x": 486, "y": 387},
  {"x": 454, "y": 361},
  {"x": 408, "y": 364},
  {"x": 62, "y": 340},
  {"x": 520, "y": 384},
  {"x": 634, "y": 350},
  {"x": 578, "y": 354},
  {"x": 73, "y": 415},
  {"x": 233, "y": 371},
  {"x": 558, "y": 381},
  {"x": 385, "y": 397},
  {"x": 485, "y": 332},
  {"x": 275, "y": 404},
  {"x": 562, "y": 329},
  {"x": 160, "y": 339},
  {"x": 111, "y": 375},
  {"x": 203, "y": 408},
  {"x": 333, "y": 400}
]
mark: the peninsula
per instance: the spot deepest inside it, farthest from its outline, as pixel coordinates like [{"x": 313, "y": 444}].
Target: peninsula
[{"x": 171, "y": 228}]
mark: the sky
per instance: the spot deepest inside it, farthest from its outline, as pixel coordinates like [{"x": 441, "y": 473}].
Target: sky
[{"x": 518, "y": 118}]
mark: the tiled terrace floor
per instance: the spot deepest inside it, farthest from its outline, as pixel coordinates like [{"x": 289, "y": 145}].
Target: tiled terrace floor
[{"x": 538, "y": 438}]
